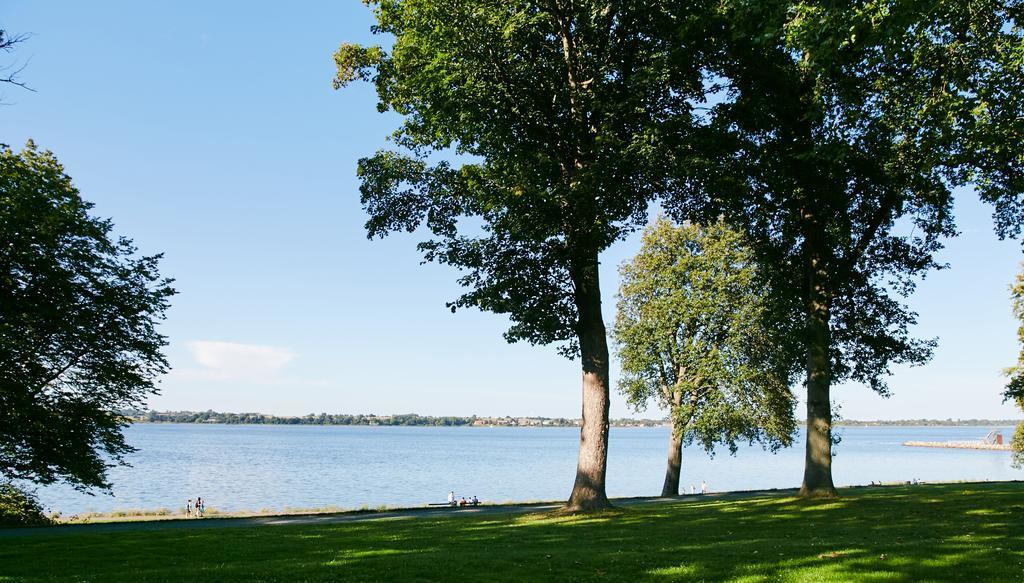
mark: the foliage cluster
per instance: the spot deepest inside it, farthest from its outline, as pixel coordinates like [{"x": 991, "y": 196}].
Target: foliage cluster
[
  {"x": 19, "y": 507},
  {"x": 694, "y": 332},
  {"x": 78, "y": 327},
  {"x": 1015, "y": 386},
  {"x": 558, "y": 111}
]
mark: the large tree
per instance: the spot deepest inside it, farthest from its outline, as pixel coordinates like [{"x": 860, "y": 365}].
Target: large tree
[
  {"x": 695, "y": 332},
  {"x": 842, "y": 131},
  {"x": 558, "y": 110},
  {"x": 78, "y": 328}
]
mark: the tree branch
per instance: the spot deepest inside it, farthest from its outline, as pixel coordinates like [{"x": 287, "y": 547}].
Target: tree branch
[
  {"x": 7, "y": 44},
  {"x": 882, "y": 214},
  {"x": 53, "y": 377}
]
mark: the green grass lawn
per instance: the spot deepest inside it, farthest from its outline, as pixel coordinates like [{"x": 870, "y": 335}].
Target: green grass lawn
[{"x": 967, "y": 532}]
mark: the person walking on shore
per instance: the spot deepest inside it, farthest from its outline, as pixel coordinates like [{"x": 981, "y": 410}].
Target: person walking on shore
[
  {"x": 451, "y": 498},
  {"x": 199, "y": 507},
  {"x": 703, "y": 487},
  {"x": 188, "y": 508}
]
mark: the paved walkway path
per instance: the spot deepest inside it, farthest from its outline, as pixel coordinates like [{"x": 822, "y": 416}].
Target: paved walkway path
[{"x": 404, "y": 514}]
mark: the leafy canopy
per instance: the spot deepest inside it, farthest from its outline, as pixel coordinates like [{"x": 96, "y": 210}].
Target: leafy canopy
[
  {"x": 694, "y": 334},
  {"x": 843, "y": 129},
  {"x": 78, "y": 327},
  {"x": 557, "y": 114}
]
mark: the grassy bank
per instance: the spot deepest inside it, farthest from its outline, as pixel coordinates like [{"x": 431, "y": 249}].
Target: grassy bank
[
  {"x": 914, "y": 533},
  {"x": 165, "y": 514}
]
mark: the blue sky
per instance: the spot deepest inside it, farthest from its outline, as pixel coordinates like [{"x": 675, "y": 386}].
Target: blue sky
[{"x": 209, "y": 131}]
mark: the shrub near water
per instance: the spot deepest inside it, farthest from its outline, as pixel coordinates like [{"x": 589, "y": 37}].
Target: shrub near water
[{"x": 20, "y": 508}]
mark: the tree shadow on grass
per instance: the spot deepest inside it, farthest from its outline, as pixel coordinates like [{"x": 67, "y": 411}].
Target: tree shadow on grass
[{"x": 968, "y": 532}]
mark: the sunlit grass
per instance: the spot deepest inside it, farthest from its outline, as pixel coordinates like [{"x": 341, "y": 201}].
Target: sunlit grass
[{"x": 970, "y": 532}]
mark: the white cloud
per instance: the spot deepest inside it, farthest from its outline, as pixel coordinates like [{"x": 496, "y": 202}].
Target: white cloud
[{"x": 228, "y": 361}]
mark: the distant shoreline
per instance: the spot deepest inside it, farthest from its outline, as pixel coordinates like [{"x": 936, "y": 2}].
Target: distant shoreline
[
  {"x": 371, "y": 420},
  {"x": 415, "y": 420}
]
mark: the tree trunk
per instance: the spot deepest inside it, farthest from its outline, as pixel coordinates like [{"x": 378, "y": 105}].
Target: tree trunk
[
  {"x": 588, "y": 492},
  {"x": 818, "y": 458},
  {"x": 675, "y": 439},
  {"x": 675, "y": 461}
]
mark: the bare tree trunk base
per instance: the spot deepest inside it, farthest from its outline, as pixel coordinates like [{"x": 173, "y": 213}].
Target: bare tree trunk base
[
  {"x": 586, "y": 506},
  {"x": 819, "y": 493},
  {"x": 586, "y": 499}
]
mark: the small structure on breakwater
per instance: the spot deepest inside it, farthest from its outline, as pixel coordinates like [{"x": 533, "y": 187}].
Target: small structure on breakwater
[{"x": 992, "y": 441}]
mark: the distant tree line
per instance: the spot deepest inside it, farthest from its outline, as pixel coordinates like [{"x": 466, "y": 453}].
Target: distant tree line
[
  {"x": 412, "y": 419},
  {"x": 311, "y": 419},
  {"x": 930, "y": 423},
  {"x": 408, "y": 419}
]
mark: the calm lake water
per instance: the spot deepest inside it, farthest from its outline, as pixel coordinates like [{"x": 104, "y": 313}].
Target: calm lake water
[{"x": 239, "y": 467}]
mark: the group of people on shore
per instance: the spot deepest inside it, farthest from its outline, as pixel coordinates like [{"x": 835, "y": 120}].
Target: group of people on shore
[
  {"x": 693, "y": 489},
  {"x": 472, "y": 501},
  {"x": 197, "y": 510}
]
